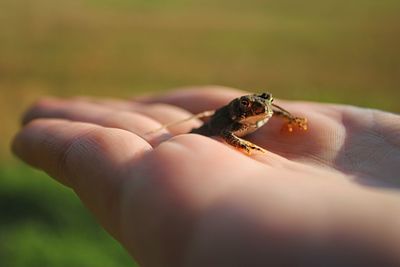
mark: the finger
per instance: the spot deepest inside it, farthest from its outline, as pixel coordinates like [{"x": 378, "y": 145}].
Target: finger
[
  {"x": 89, "y": 158},
  {"x": 166, "y": 114},
  {"x": 115, "y": 103},
  {"x": 162, "y": 113},
  {"x": 197, "y": 99},
  {"x": 78, "y": 110}
]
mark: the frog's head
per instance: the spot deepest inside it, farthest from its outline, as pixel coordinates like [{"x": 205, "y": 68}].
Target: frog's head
[{"x": 252, "y": 108}]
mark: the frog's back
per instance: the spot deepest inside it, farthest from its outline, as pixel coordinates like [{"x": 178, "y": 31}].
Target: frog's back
[{"x": 216, "y": 124}]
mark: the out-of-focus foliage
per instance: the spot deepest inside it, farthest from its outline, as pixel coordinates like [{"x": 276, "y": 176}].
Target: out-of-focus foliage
[
  {"x": 333, "y": 50},
  {"x": 43, "y": 224}
]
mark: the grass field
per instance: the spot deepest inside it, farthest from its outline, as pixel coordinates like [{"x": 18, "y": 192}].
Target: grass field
[{"x": 333, "y": 51}]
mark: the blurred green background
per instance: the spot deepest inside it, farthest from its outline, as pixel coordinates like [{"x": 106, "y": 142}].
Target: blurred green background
[{"x": 335, "y": 50}]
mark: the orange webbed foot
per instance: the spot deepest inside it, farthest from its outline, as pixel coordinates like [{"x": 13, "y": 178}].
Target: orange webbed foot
[{"x": 300, "y": 123}]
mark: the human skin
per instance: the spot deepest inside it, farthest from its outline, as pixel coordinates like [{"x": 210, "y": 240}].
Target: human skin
[{"x": 328, "y": 196}]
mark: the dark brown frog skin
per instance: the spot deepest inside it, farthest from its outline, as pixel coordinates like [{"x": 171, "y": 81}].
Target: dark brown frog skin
[{"x": 243, "y": 116}]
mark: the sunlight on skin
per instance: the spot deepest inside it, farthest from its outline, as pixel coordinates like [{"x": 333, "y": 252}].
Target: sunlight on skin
[{"x": 172, "y": 202}]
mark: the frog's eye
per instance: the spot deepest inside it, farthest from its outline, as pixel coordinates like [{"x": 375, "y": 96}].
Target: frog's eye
[
  {"x": 267, "y": 96},
  {"x": 245, "y": 102}
]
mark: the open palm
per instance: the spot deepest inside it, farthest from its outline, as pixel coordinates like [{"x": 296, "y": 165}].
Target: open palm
[{"x": 326, "y": 196}]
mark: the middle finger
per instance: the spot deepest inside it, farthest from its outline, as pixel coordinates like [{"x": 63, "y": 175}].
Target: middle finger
[
  {"x": 102, "y": 115},
  {"x": 161, "y": 112}
]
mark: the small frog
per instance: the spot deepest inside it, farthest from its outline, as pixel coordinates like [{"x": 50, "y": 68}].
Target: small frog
[{"x": 240, "y": 117}]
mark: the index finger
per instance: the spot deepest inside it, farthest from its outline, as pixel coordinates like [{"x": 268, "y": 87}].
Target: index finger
[{"x": 89, "y": 158}]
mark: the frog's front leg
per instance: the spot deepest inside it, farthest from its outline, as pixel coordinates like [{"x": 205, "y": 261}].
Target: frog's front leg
[
  {"x": 239, "y": 143},
  {"x": 291, "y": 120}
]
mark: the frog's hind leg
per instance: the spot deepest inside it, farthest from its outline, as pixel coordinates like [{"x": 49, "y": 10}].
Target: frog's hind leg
[
  {"x": 291, "y": 120},
  {"x": 202, "y": 115},
  {"x": 239, "y": 143}
]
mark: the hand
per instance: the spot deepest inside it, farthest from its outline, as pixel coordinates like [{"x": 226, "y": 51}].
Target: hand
[{"x": 327, "y": 196}]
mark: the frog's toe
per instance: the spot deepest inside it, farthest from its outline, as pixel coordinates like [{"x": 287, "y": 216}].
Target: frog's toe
[
  {"x": 300, "y": 123},
  {"x": 288, "y": 127},
  {"x": 245, "y": 149},
  {"x": 248, "y": 148},
  {"x": 257, "y": 148}
]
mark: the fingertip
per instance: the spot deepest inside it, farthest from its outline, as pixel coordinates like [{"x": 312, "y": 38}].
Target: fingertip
[
  {"x": 22, "y": 144},
  {"x": 37, "y": 107},
  {"x": 15, "y": 145}
]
